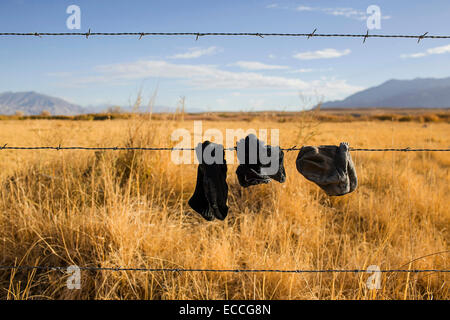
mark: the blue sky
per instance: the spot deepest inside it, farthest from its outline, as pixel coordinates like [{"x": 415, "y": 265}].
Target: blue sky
[{"x": 218, "y": 73}]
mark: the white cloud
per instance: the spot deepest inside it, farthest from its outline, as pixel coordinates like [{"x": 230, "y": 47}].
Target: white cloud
[
  {"x": 304, "y": 8},
  {"x": 254, "y": 65},
  {"x": 346, "y": 12},
  {"x": 307, "y": 70},
  {"x": 58, "y": 74},
  {"x": 206, "y": 77},
  {"x": 273, "y": 5},
  {"x": 436, "y": 50},
  {"x": 193, "y": 53},
  {"x": 301, "y": 71},
  {"x": 321, "y": 54},
  {"x": 200, "y": 76},
  {"x": 343, "y": 12}
]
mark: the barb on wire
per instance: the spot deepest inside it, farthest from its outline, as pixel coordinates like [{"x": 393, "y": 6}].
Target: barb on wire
[
  {"x": 179, "y": 270},
  {"x": 366, "y": 36},
  {"x": 290, "y": 149},
  {"x": 116, "y": 148},
  {"x": 421, "y": 37},
  {"x": 312, "y": 33},
  {"x": 400, "y": 149},
  {"x": 258, "y": 34}
]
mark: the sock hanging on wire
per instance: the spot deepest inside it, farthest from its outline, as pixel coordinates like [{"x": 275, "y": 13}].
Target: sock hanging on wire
[
  {"x": 330, "y": 167},
  {"x": 211, "y": 192},
  {"x": 259, "y": 163}
]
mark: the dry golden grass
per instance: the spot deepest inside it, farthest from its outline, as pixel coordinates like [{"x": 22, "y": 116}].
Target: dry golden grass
[{"x": 129, "y": 209}]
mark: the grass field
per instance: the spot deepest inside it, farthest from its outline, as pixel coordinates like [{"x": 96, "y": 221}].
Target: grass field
[{"x": 129, "y": 209}]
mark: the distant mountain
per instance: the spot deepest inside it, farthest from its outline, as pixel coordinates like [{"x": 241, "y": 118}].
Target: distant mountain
[
  {"x": 417, "y": 93},
  {"x": 32, "y": 103}
]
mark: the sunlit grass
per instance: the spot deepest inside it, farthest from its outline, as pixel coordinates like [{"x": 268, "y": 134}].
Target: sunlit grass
[{"x": 129, "y": 209}]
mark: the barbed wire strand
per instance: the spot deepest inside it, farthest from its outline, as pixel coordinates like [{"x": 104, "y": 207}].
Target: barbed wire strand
[
  {"x": 59, "y": 147},
  {"x": 140, "y": 35},
  {"x": 56, "y": 268}
]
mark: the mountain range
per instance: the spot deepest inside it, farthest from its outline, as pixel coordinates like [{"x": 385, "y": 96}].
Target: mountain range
[
  {"x": 416, "y": 93},
  {"x": 32, "y": 103}
]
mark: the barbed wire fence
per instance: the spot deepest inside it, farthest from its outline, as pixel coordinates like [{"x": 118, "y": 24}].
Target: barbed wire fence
[
  {"x": 59, "y": 268},
  {"x": 197, "y": 35},
  {"x": 183, "y": 270},
  {"x": 294, "y": 148}
]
